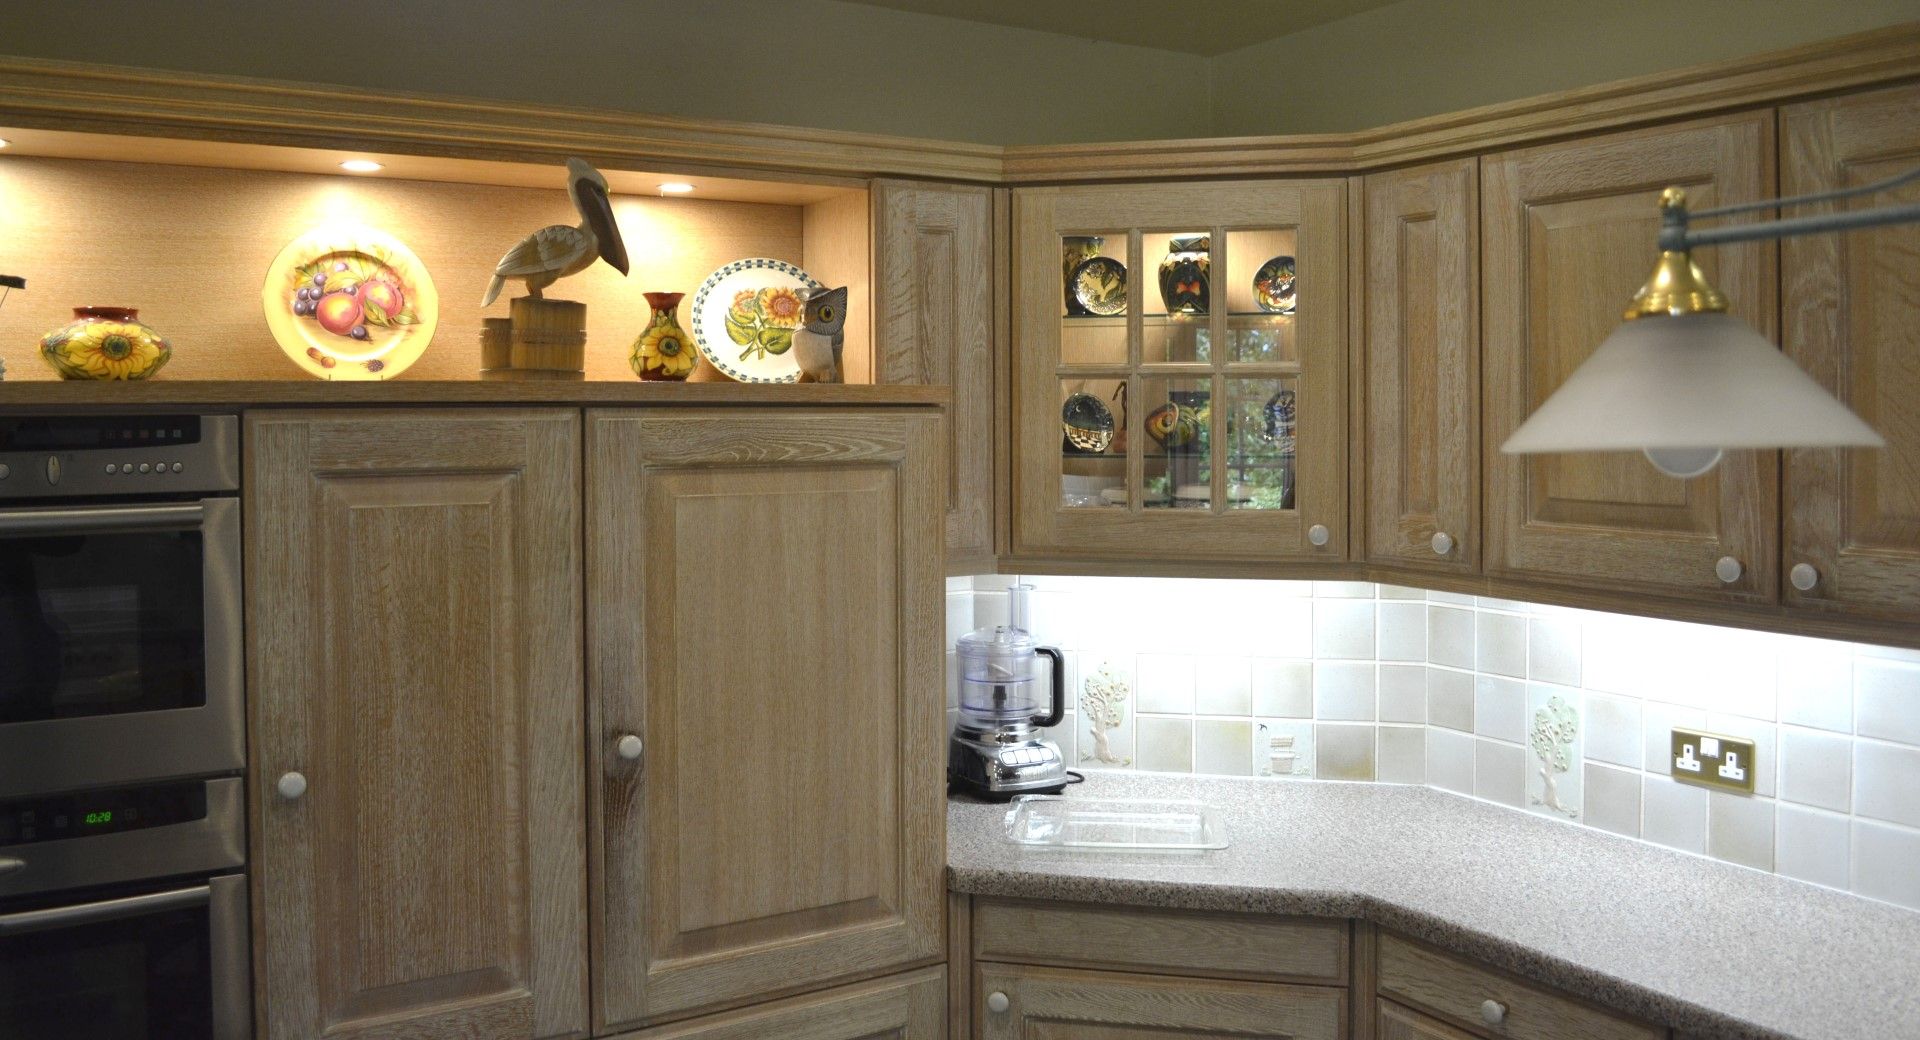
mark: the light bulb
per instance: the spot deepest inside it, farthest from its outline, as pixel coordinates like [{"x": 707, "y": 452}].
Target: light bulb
[
  {"x": 1684, "y": 463},
  {"x": 361, "y": 166},
  {"x": 675, "y": 188}
]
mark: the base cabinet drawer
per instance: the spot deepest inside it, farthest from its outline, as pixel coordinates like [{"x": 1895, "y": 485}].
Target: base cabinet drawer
[
  {"x": 1016, "y": 1001},
  {"x": 1163, "y": 942},
  {"x": 901, "y": 1007},
  {"x": 1398, "y": 1023},
  {"x": 1490, "y": 1003}
]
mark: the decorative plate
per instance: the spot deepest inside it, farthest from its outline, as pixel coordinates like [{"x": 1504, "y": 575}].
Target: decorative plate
[
  {"x": 1100, "y": 285},
  {"x": 350, "y": 303},
  {"x": 1087, "y": 424},
  {"x": 1273, "y": 286},
  {"x": 744, "y": 315}
]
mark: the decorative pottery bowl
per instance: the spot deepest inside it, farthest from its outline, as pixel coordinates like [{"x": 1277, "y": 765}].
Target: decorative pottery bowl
[{"x": 105, "y": 343}]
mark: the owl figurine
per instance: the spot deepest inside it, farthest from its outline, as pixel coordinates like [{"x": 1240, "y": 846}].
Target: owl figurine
[{"x": 821, "y": 336}]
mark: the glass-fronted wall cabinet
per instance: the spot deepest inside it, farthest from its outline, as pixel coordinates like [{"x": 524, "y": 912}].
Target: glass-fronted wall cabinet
[{"x": 1179, "y": 370}]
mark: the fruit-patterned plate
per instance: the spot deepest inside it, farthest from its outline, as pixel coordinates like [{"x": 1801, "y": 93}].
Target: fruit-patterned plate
[
  {"x": 350, "y": 303},
  {"x": 1273, "y": 286},
  {"x": 744, "y": 315}
]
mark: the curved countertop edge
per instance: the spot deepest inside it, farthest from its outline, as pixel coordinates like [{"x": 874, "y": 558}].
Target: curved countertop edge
[{"x": 1674, "y": 1007}]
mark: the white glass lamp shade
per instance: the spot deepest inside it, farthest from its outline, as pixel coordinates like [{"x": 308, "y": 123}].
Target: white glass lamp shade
[{"x": 1684, "y": 387}]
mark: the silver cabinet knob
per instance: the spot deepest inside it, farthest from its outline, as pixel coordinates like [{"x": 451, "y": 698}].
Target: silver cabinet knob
[
  {"x": 1804, "y": 576},
  {"x": 9, "y": 864},
  {"x": 998, "y": 1003},
  {"x": 1442, "y": 543},
  {"x": 1728, "y": 569},
  {"x": 629, "y": 747},
  {"x": 1318, "y": 534},
  {"x": 1492, "y": 1012},
  {"x": 291, "y": 786}
]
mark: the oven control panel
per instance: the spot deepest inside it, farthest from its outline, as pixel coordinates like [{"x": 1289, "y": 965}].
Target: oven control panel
[
  {"x": 28, "y": 821},
  {"x": 106, "y": 455}
]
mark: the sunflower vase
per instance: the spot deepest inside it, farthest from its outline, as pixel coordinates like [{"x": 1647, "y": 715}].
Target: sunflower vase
[
  {"x": 664, "y": 350},
  {"x": 105, "y": 343}
]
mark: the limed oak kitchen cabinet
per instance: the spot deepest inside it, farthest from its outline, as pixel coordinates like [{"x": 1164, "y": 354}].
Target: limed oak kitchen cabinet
[
  {"x": 413, "y": 629},
  {"x": 766, "y": 754}
]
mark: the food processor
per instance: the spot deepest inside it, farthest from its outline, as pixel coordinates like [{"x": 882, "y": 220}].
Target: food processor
[{"x": 997, "y": 750}]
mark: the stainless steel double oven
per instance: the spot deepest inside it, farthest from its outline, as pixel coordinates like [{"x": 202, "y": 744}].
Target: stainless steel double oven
[{"x": 123, "y": 894}]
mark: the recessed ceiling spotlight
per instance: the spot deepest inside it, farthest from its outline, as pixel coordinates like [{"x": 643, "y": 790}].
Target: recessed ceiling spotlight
[
  {"x": 361, "y": 166},
  {"x": 675, "y": 188},
  {"x": 4, "y": 142}
]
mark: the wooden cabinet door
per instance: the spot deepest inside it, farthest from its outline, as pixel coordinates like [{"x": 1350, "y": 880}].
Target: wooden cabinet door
[
  {"x": 1568, "y": 235},
  {"x": 934, "y": 324},
  {"x": 1229, "y": 430},
  {"x": 1063, "y": 1004},
  {"x": 413, "y": 630},
  {"x": 1853, "y": 321},
  {"x": 765, "y": 601},
  {"x": 1419, "y": 471},
  {"x": 1398, "y": 1023},
  {"x": 902, "y": 1007}
]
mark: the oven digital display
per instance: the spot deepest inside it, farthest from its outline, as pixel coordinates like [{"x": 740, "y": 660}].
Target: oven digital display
[
  {"x": 25, "y": 821},
  {"x": 72, "y": 433}
]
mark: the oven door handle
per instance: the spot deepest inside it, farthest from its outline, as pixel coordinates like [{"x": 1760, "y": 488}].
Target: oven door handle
[
  {"x": 105, "y": 910},
  {"x": 102, "y": 518}
]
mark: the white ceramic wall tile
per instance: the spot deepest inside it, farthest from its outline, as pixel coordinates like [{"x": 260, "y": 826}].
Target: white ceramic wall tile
[
  {"x": 1402, "y": 592},
  {"x": 1883, "y": 863},
  {"x": 1888, "y": 653},
  {"x": 1282, "y": 688},
  {"x": 1500, "y": 772},
  {"x": 1513, "y": 606},
  {"x": 1740, "y": 829},
  {"x": 1886, "y": 783},
  {"x": 1402, "y": 755},
  {"x": 1450, "y": 760},
  {"x": 1343, "y": 629},
  {"x": 1166, "y": 684},
  {"x": 1450, "y": 699},
  {"x": 1886, "y": 700},
  {"x": 1165, "y": 744},
  {"x": 953, "y": 680},
  {"x": 989, "y": 609},
  {"x": 1613, "y": 730},
  {"x": 1223, "y": 746},
  {"x": 1403, "y": 693},
  {"x": 1500, "y": 708},
  {"x": 1658, "y": 723},
  {"x": 1766, "y": 747},
  {"x": 1737, "y": 670},
  {"x": 1810, "y": 845},
  {"x": 1343, "y": 691},
  {"x": 1450, "y": 636},
  {"x": 1403, "y": 632},
  {"x": 1286, "y": 630},
  {"x": 994, "y": 582},
  {"x": 1673, "y": 814},
  {"x": 1343, "y": 751},
  {"x": 963, "y": 583},
  {"x": 1344, "y": 589},
  {"x": 1555, "y": 738},
  {"x": 1816, "y": 768},
  {"x": 1815, "y": 684},
  {"x": 1222, "y": 685},
  {"x": 959, "y": 616},
  {"x": 1283, "y": 747},
  {"x": 1553, "y": 650},
  {"x": 1611, "y": 799},
  {"x": 1500, "y": 644},
  {"x": 1458, "y": 599}
]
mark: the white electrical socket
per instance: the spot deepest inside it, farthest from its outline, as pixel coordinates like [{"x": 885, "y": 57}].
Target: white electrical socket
[
  {"x": 1731, "y": 768},
  {"x": 1713, "y": 760},
  {"x": 1686, "y": 760}
]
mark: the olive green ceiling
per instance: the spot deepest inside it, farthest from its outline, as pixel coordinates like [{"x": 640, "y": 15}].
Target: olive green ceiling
[{"x": 1206, "y": 27}]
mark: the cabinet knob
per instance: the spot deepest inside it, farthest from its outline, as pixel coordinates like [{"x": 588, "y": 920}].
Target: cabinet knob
[
  {"x": 1804, "y": 576},
  {"x": 9, "y": 864},
  {"x": 998, "y": 1003},
  {"x": 1492, "y": 1012},
  {"x": 1318, "y": 534},
  {"x": 628, "y": 747},
  {"x": 1728, "y": 569},
  {"x": 291, "y": 786},
  {"x": 1442, "y": 543}
]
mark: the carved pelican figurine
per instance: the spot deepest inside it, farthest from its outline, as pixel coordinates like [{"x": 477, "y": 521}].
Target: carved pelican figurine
[{"x": 553, "y": 253}]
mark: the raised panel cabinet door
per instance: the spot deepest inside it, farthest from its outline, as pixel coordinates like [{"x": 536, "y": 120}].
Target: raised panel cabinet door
[
  {"x": 901, "y": 1007},
  {"x": 1015, "y": 1002},
  {"x": 765, "y": 604},
  {"x": 1853, "y": 321},
  {"x": 1569, "y": 234},
  {"x": 1420, "y": 369},
  {"x": 413, "y": 631},
  {"x": 1398, "y": 1023},
  {"x": 933, "y": 262}
]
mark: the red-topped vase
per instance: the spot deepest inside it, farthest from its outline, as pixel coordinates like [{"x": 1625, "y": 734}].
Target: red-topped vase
[
  {"x": 105, "y": 343},
  {"x": 664, "y": 350}
]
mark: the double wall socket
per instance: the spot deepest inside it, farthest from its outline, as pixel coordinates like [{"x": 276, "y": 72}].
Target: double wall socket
[{"x": 1712, "y": 760}]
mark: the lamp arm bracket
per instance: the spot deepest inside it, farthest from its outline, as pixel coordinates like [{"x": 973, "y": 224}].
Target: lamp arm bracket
[{"x": 1676, "y": 235}]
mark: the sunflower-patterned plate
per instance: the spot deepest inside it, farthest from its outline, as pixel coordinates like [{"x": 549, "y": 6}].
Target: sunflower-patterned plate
[
  {"x": 350, "y": 303},
  {"x": 744, "y": 316}
]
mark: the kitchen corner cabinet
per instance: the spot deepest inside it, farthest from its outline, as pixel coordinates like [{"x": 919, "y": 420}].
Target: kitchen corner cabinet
[
  {"x": 1193, "y": 338},
  {"x": 1417, "y": 479},
  {"x": 1853, "y": 322},
  {"x": 1567, "y": 238},
  {"x": 903, "y": 1007},
  {"x": 766, "y": 755},
  {"x": 413, "y": 618},
  {"x": 935, "y": 325}
]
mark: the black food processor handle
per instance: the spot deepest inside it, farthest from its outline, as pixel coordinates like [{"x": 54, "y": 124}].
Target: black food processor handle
[{"x": 1059, "y": 711}]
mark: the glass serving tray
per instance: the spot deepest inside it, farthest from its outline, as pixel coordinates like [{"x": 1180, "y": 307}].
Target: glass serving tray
[{"x": 1130, "y": 824}]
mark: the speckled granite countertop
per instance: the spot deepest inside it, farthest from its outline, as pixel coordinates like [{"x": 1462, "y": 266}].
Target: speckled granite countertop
[{"x": 1570, "y": 907}]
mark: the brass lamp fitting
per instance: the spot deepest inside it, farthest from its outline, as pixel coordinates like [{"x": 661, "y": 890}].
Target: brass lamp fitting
[{"x": 1677, "y": 286}]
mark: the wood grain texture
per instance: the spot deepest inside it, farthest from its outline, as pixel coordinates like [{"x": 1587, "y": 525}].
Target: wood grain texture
[
  {"x": 1240, "y": 946},
  {"x": 1419, "y": 374},
  {"x": 1399, "y": 1023},
  {"x": 1368, "y": 1022},
  {"x": 1567, "y": 237},
  {"x": 1003, "y": 343},
  {"x": 902, "y": 1007},
  {"x": 764, "y": 597},
  {"x": 231, "y": 394},
  {"x": 934, "y": 249},
  {"x": 1061, "y": 1004},
  {"x": 959, "y": 966},
  {"x": 413, "y": 623},
  {"x": 1453, "y": 989},
  {"x": 838, "y": 247},
  {"x": 1852, "y": 320}
]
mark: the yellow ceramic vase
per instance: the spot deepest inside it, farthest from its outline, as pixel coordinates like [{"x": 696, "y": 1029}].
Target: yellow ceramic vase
[{"x": 105, "y": 343}]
